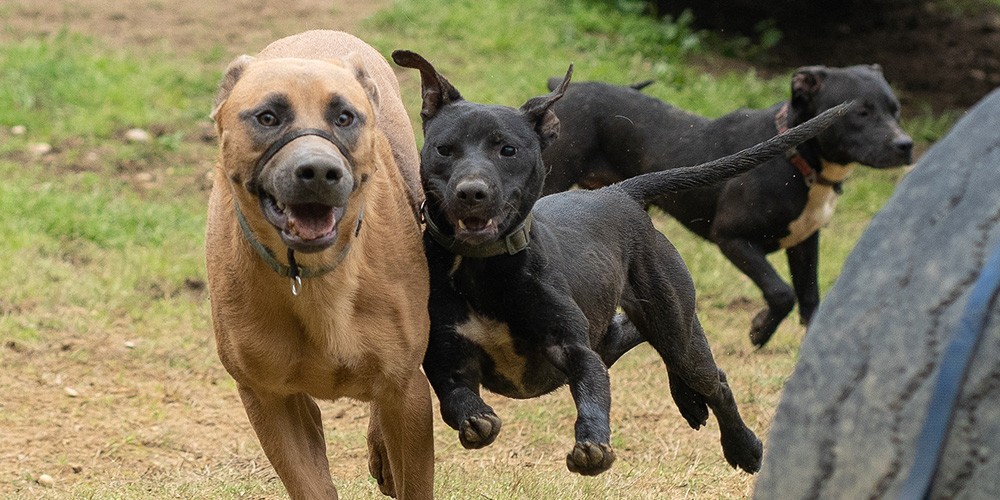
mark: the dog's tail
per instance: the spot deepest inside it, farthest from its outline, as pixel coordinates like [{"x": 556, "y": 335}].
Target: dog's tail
[
  {"x": 641, "y": 85},
  {"x": 555, "y": 81},
  {"x": 647, "y": 187}
]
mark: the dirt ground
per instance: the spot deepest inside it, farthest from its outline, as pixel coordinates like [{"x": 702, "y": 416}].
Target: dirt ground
[
  {"x": 70, "y": 378},
  {"x": 184, "y": 27},
  {"x": 931, "y": 53},
  {"x": 50, "y": 393},
  {"x": 939, "y": 53},
  {"x": 935, "y": 55}
]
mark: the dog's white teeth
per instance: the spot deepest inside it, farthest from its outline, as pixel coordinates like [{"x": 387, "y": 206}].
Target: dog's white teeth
[
  {"x": 489, "y": 223},
  {"x": 281, "y": 206},
  {"x": 461, "y": 224}
]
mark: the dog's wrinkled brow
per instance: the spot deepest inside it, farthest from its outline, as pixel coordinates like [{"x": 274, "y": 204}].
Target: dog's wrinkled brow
[
  {"x": 274, "y": 101},
  {"x": 337, "y": 105}
]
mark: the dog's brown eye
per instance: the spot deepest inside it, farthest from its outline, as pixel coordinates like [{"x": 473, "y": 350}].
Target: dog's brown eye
[
  {"x": 345, "y": 119},
  {"x": 508, "y": 151},
  {"x": 267, "y": 119},
  {"x": 444, "y": 150}
]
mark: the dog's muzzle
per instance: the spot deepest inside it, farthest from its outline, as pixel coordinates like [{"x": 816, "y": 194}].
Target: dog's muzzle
[
  {"x": 305, "y": 195},
  {"x": 275, "y": 213}
]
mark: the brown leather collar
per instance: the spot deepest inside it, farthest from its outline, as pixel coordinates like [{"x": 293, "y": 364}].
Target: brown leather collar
[{"x": 809, "y": 174}]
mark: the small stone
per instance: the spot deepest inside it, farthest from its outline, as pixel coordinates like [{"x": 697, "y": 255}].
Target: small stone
[
  {"x": 130, "y": 344},
  {"x": 46, "y": 481},
  {"x": 39, "y": 148},
  {"x": 144, "y": 177},
  {"x": 18, "y": 130},
  {"x": 71, "y": 392},
  {"x": 137, "y": 135},
  {"x": 76, "y": 469}
]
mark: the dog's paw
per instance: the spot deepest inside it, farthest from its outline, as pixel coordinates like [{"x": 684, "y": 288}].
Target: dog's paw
[
  {"x": 590, "y": 459},
  {"x": 762, "y": 328},
  {"x": 742, "y": 449},
  {"x": 480, "y": 430},
  {"x": 691, "y": 404},
  {"x": 378, "y": 466}
]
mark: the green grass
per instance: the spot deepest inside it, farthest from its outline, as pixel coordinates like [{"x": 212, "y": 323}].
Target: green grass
[
  {"x": 94, "y": 256},
  {"x": 516, "y": 46},
  {"x": 65, "y": 86},
  {"x": 83, "y": 246}
]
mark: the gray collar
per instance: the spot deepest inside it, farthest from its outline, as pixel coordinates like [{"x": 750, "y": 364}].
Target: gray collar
[{"x": 516, "y": 241}]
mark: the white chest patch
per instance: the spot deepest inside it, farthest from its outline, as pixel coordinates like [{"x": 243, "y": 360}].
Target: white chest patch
[
  {"x": 819, "y": 207},
  {"x": 494, "y": 337}
]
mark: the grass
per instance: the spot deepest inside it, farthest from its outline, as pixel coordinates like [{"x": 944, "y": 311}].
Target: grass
[
  {"x": 516, "y": 48},
  {"x": 104, "y": 293},
  {"x": 64, "y": 86}
]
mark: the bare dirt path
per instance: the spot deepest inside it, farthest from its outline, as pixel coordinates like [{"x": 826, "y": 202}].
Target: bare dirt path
[
  {"x": 110, "y": 408},
  {"x": 186, "y": 27}
]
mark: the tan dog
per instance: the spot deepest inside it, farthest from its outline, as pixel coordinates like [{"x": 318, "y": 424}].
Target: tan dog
[{"x": 317, "y": 183}]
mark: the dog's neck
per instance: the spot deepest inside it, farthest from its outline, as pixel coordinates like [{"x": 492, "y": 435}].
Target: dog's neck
[
  {"x": 514, "y": 242},
  {"x": 836, "y": 173},
  {"x": 807, "y": 158}
]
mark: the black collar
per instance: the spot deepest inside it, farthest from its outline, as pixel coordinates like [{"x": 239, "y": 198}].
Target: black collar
[{"x": 516, "y": 241}]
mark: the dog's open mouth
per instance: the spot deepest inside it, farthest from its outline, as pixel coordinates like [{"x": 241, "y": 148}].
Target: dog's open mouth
[
  {"x": 476, "y": 230},
  {"x": 304, "y": 227}
]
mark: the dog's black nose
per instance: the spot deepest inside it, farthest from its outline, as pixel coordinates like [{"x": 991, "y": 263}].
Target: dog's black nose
[
  {"x": 903, "y": 144},
  {"x": 472, "y": 192},
  {"x": 319, "y": 173}
]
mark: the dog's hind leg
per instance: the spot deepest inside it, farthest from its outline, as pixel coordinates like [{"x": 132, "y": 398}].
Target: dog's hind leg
[
  {"x": 779, "y": 296},
  {"x": 620, "y": 337},
  {"x": 290, "y": 430},
  {"x": 659, "y": 300},
  {"x": 591, "y": 389}
]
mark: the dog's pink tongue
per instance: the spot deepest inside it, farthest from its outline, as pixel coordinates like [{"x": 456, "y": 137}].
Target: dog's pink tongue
[{"x": 311, "y": 220}]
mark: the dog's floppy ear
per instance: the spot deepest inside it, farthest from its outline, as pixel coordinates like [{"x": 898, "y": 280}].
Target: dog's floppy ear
[
  {"x": 356, "y": 64},
  {"x": 806, "y": 82},
  {"x": 233, "y": 73},
  {"x": 436, "y": 91},
  {"x": 538, "y": 110}
]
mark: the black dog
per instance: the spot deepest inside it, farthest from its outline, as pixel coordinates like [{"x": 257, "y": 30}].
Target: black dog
[
  {"x": 523, "y": 294},
  {"x": 610, "y": 133}
]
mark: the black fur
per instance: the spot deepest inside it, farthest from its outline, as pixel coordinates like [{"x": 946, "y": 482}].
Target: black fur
[
  {"x": 524, "y": 324},
  {"x": 610, "y": 133}
]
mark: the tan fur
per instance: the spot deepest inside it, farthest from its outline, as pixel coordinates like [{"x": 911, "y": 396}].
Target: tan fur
[
  {"x": 819, "y": 207},
  {"x": 359, "y": 331}
]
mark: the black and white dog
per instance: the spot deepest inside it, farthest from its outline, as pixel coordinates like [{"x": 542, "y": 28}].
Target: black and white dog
[
  {"x": 524, "y": 290},
  {"x": 610, "y": 133}
]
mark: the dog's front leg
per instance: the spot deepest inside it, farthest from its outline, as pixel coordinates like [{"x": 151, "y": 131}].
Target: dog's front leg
[
  {"x": 400, "y": 431},
  {"x": 803, "y": 262},
  {"x": 378, "y": 454},
  {"x": 452, "y": 367},
  {"x": 591, "y": 389},
  {"x": 780, "y": 298},
  {"x": 290, "y": 430}
]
